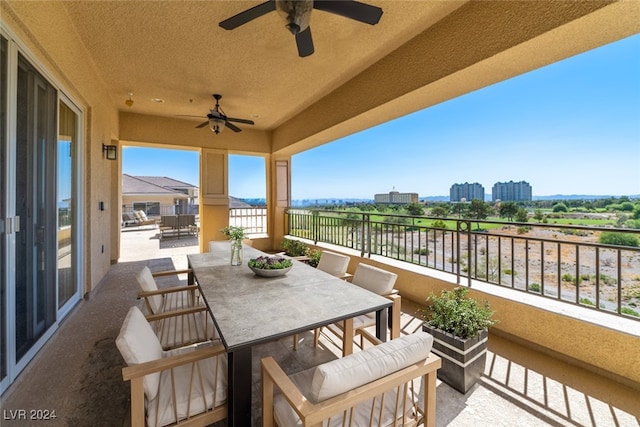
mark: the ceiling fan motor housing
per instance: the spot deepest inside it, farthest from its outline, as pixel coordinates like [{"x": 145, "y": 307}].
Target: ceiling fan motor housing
[{"x": 296, "y": 13}]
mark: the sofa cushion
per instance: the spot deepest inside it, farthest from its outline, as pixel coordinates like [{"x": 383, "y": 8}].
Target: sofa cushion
[
  {"x": 139, "y": 344},
  {"x": 374, "y": 279},
  {"x": 341, "y": 375}
]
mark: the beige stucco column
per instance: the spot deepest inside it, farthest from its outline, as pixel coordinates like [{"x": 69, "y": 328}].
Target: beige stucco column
[{"x": 214, "y": 195}]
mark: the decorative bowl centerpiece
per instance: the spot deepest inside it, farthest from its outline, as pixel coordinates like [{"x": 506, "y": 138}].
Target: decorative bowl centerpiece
[{"x": 267, "y": 266}]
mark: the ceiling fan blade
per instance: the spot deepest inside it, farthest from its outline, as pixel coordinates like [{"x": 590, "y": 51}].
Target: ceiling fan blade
[
  {"x": 351, "y": 9},
  {"x": 304, "y": 41},
  {"x": 245, "y": 121},
  {"x": 201, "y": 125},
  {"x": 248, "y": 15},
  {"x": 233, "y": 127}
]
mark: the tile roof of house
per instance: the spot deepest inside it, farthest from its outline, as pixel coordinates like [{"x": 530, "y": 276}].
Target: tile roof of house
[
  {"x": 166, "y": 182},
  {"x": 136, "y": 185}
]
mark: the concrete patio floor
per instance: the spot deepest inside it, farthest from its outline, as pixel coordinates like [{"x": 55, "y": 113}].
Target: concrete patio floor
[{"x": 78, "y": 372}]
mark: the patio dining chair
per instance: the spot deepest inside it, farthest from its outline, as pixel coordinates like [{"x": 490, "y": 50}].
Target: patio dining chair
[
  {"x": 176, "y": 313},
  {"x": 381, "y": 282},
  {"x": 390, "y": 384},
  {"x": 334, "y": 264},
  {"x": 186, "y": 385}
]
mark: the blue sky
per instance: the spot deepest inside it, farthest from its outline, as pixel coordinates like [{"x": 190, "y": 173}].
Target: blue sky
[{"x": 569, "y": 128}]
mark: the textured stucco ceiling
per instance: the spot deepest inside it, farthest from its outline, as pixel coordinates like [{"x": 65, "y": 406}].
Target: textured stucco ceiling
[
  {"x": 175, "y": 51},
  {"x": 422, "y": 52}
]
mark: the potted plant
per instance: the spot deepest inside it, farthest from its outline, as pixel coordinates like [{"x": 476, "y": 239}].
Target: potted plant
[
  {"x": 270, "y": 266},
  {"x": 235, "y": 235},
  {"x": 459, "y": 325}
]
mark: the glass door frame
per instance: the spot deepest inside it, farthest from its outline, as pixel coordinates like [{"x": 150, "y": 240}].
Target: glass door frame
[
  {"x": 77, "y": 191},
  {"x": 8, "y": 176}
]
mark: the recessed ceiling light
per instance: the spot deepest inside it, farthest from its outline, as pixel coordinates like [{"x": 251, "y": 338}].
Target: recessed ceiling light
[
  {"x": 158, "y": 100},
  {"x": 255, "y": 116}
]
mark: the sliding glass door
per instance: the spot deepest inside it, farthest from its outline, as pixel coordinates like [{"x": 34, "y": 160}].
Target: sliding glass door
[
  {"x": 40, "y": 200},
  {"x": 35, "y": 251}
]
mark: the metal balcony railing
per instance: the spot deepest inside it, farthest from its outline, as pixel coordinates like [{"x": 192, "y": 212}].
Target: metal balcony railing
[
  {"x": 253, "y": 220},
  {"x": 562, "y": 262}
]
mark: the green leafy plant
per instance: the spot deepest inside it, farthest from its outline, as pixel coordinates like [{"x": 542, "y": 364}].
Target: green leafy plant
[
  {"x": 620, "y": 239},
  {"x": 233, "y": 232},
  {"x": 535, "y": 287},
  {"x": 314, "y": 257},
  {"x": 454, "y": 312},
  {"x": 294, "y": 247},
  {"x": 270, "y": 263}
]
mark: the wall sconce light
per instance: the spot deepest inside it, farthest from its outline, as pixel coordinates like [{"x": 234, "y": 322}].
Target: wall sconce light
[
  {"x": 129, "y": 102},
  {"x": 111, "y": 150}
]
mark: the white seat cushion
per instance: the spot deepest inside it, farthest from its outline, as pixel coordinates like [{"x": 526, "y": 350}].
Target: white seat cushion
[
  {"x": 374, "y": 279},
  {"x": 148, "y": 284},
  {"x": 333, "y": 263},
  {"x": 341, "y": 375},
  {"x": 138, "y": 344},
  {"x": 192, "y": 397}
]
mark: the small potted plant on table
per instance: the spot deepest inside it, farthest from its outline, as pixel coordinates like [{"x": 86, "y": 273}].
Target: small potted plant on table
[
  {"x": 459, "y": 325},
  {"x": 270, "y": 266}
]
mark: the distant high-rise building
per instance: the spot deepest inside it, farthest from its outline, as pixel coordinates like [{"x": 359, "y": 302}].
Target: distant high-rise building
[
  {"x": 466, "y": 191},
  {"x": 394, "y": 197},
  {"x": 511, "y": 191}
]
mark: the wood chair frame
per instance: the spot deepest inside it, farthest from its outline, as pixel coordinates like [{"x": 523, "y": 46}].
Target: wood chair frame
[
  {"x": 136, "y": 373},
  {"x": 312, "y": 414},
  {"x": 178, "y": 301}
]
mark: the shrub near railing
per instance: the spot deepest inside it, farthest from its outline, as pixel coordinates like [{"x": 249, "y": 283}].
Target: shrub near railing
[{"x": 562, "y": 262}]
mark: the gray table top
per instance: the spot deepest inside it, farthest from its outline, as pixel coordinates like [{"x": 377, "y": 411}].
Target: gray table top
[{"x": 248, "y": 309}]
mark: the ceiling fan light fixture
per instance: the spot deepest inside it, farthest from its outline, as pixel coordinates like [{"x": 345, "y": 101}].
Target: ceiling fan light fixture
[
  {"x": 216, "y": 124},
  {"x": 129, "y": 101},
  {"x": 296, "y": 14}
]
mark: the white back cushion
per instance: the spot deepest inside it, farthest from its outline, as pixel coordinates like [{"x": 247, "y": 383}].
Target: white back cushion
[
  {"x": 147, "y": 284},
  {"x": 333, "y": 263},
  {"x": 138, "y": 344},
  {"x": 341, "y": 375},
  {"x": 374, "y": 279}
]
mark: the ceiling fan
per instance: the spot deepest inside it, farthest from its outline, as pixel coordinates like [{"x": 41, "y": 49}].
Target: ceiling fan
[
  {"x": 297, "y": 14},
  {"x": 217, "y": 119}
]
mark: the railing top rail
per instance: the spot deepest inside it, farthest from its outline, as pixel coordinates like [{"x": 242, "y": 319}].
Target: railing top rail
[{"x": 473, "y": 220}]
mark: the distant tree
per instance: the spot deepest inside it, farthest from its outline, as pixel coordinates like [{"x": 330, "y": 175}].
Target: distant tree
[
  {"x": 508, "y": 210},
  {"x": 636, "y": 212},
  {"x": 560, "y": 207},
  {"x": 626, "y": 206},
  {"x": 522, "y": 215},
  {"x": 478, "y": 209},
  {"x": 439, "y": 211},
  {"x": 538, "y": 215},
  {"x": 415, "y": 209},
  {"x": 459, "y": 208}
]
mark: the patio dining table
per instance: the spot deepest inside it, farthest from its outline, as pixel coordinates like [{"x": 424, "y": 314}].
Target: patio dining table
[{"x": 249, "y": 310}]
